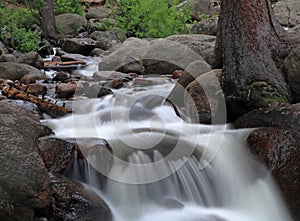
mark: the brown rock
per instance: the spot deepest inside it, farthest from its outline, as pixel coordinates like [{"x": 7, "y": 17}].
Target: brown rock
[
  {"x": 177, "y": 74},
  {"x": 279, "y": 149},
  {"x": 34, "y": 89},
  {"x": 67, "y": 90},
  {"x": 56, "y": 153}
]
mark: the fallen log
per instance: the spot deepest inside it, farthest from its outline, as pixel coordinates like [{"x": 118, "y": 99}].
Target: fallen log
[{"x": 45, "y": 106}]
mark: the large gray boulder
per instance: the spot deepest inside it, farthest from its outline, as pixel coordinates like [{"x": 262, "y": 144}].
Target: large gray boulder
[
  {"x": 98, "y": 13},
  {"x": 287, "y": 12},
  {"x": 202, "y": 44},
  {"x": 24, "y": 181},
  {"x": 199, "y": 8},
  {"x": 15, "y": 71},
  {"x": 31, "y": 58},
  {"x": 159, "y": 56},
  {"x": 291, "y": 67},
  {"x": 207, "y": 27},
  {"x": 107, "y": 39},
  {"x": 70, "y": 24}
]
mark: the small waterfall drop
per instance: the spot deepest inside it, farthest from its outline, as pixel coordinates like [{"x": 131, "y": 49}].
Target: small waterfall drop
[{"x": 166, "y": 169}]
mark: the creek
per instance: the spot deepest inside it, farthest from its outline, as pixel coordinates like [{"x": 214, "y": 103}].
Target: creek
[{"x": 165, "y": 168}]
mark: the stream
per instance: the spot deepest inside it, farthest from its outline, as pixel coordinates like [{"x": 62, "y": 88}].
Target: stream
[{"x": 165, "y": 168}]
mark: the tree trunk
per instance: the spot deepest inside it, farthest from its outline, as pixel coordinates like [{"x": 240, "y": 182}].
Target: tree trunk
[
  {"x": 249, "y": 41},
  {"x": 48, "y": 20}
]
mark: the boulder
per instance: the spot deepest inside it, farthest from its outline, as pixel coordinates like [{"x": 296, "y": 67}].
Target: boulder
[
  {"x": 15, "y": 71},
  {"x": 98, "y": 13},
  {"x": 78, "y": 45},
  {"x": 107, "y": 39},
  {"x": 285, "y": 116},
  {"x": 34, "y": 89},
  {"x": 206, "y": 27},
  {"x": 279, "y": 150},
  {"x": 33, "y": 108},
  {"x": 8, "y": 58},
  {"x": 159, "y": 56},
  {"x": 70, "y": 24},
  {"x": 202, "y": 44},
  {"x": 24, "y": 181},
  {"x": 291, "y": 66},
  {"x": 67, "y": 90},
  {"x": 127, "y": 58},
  {"x": 287, "y": 12},
  {"x": 207, "y": 7},
  {"x": 101, "y": 25},
  {"x": 46, "y": 48},
  {"x": 32, "y": 59},
  {"x": 56, "y": 153},
  {"x": 72, "y": 201}
]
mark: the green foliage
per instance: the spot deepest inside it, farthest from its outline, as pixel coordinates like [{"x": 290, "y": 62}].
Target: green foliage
[
  {"x": 151, "y": 18},
  {"x": 68, "y": 6},
  {"x": 15, "y": 29}
]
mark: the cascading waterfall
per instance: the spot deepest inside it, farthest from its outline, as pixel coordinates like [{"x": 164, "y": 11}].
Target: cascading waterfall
[{"x": 166, "y": 169}]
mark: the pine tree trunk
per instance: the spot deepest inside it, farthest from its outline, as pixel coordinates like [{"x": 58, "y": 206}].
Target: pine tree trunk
[
  {"x": 48, "y": 20},
  {"x": 249, "y": 41}
]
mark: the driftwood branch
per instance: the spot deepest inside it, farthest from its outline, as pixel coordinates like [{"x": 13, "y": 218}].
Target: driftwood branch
[{"x": 45, "y": 106}]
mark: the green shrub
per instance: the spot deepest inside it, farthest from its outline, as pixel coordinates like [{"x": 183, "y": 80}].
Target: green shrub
[
  {"x": 151, "y": 18},
  {"x": 68, "y": 6},
  {"x": 15, "y": 24}
]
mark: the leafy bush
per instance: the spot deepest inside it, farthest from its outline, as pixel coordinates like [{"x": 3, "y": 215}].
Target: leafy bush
[
  {"x": 15, "y": 24},
  {"x": 151, "y": 18},
  {"x": 68, "y": 6}
]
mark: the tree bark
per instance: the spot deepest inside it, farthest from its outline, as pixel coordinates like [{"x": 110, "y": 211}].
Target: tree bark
[
  {"x": 48, "y": 20},
  {"x": 249, "y": 41}
]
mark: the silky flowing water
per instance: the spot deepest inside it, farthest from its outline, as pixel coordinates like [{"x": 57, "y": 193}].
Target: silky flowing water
[{"x": 165, "y": 168}]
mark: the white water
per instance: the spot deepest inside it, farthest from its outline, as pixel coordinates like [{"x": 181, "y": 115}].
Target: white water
[{"x": 222, "y": 182}]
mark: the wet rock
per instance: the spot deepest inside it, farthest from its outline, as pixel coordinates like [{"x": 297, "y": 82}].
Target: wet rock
[
  {"x": 72, "y": 201},
  {"x": 201, "y": 44},
  {"x": 143, "y": 82},
  {"x": 78, "y": 45},
  {"x": 67, "y": 90},
  {"x": 70, "y": 24},
  {"x": 291, "y": 67},
  {"x": 107, "y": 39},
  {"x": 98, "y": 13},
  {"x": 24, "y": 181},
  {"x": 73, "y": 57},
  {"x": 279, "y": 150},
  {"x": 32, "y": 59},
  {"x": 61, "y": 76},
  {"x": 15, "y": 71},
  {"x": 287, "y": 12},
  {"x": 56, "y": 153},
  {"x": 172, "y": 204},
  {"x": 94, "y": 90},
  {"x": 207, "y": 27},
  {"x": 108, "y": 75},
  {"x": 285, "y": 116},
  {"x": 34, "y": 89},
  {"x": 8, "y": 58}
]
